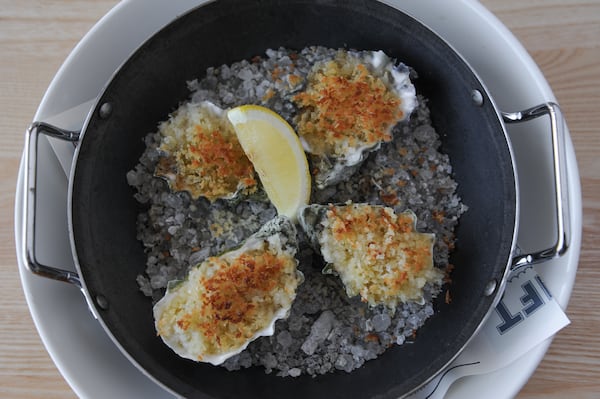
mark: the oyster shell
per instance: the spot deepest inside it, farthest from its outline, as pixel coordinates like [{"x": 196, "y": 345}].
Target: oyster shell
[
  {"x": 376, "y": 253},
  {"x": 348, "y": 108},
  {"x": 228, "y": 301},
  {"x": 200, "y": 154}
]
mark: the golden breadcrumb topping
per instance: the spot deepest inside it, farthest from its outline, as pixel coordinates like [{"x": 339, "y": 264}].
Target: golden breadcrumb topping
[
  {"x": 378, "y": 254},
  {"x": 345, "y": 106},
  {"x": 203, "y": 155},
  {"x": 234, "y": 299}
]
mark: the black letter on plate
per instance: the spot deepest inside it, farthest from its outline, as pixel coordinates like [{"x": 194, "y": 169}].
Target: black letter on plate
[
  {"x": 531, "y": 299},
  {"x": 508, "y": 320}
]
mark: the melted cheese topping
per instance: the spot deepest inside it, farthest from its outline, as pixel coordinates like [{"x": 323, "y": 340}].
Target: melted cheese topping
[
  {"x": 345, "y": 106},
  {"x": 203, "y": 155},
  {"x": 378, "y": 254},
  {"x": 228, "y": 301}
]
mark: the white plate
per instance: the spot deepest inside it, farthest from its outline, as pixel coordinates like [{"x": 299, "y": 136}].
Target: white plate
[{"x": 87, "y": 358}]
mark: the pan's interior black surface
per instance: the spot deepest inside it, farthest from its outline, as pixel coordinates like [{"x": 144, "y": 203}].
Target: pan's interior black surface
[{"x": 153, "y": 82}]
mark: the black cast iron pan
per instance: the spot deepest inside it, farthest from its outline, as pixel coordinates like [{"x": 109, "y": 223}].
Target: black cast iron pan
[{"x": 152, "y": 83}]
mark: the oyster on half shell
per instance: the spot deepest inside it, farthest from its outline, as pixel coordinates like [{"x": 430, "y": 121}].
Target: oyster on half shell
[
  {"x": 377, "y": 254},
  {"x": 200, "y": 154},
  {"x": 348, "y": 108},
  {"x": 230, "y": 300}
]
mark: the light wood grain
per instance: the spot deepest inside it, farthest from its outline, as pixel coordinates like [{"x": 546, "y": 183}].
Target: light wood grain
[{"x": 563, "y": 36}]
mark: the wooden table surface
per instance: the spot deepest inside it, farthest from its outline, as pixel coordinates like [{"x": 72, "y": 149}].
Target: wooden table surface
[{"x": 563, "y": 36}]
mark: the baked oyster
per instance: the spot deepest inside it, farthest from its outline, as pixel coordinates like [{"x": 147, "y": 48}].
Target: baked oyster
[
  {"x": 376, "y": 253},
  {"x": 348, "y": 107},
  {"x": 200, "y": 154},
  {"x": 230, "y": 300}
]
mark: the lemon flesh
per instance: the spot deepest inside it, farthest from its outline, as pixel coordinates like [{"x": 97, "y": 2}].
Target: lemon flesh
[{"x": 277, "y": 155}]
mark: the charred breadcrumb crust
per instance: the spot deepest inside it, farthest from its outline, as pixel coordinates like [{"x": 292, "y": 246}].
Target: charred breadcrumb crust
[
  {"x": 376, "y": 253},
  {"x": 200, "y": 154},
  {"x": 230, "y": 300},
  {"x": 326, "y": 330}
]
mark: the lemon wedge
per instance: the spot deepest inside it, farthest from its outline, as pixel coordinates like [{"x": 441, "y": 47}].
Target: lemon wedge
[{"x": 277, "y": 155}]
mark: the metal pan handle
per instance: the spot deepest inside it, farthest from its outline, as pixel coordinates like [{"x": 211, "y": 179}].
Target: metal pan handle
[
  {"x": 28, "y": 246},
  {"x": 557, "y": 131}
]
